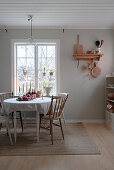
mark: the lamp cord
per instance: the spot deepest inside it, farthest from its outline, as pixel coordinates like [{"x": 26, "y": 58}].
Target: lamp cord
[{"x": 31, "y": 26}]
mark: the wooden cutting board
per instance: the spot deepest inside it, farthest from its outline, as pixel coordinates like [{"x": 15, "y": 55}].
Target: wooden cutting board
[{"x": 78, "y": 49}]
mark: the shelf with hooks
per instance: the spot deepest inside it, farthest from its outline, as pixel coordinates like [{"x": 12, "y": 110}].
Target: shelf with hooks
[{"x": 87, "y": 56}]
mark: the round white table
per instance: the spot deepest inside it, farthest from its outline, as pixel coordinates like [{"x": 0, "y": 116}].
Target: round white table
[{"x": 38, "y": 105}]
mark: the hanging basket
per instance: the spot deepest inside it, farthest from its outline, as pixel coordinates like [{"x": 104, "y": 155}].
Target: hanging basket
[
  {"x": 44, "y": 73},
  {"x": 24, "y": 73},
  {"x": 51, "y": 73}
]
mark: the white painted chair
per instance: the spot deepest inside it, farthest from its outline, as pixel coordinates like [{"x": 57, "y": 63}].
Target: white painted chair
[
  {"x": 4, "y": 120},
  {"x": 8, "y": 95}
]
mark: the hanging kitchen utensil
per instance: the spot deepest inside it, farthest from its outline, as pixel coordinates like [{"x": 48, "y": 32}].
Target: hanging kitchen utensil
[
  {"x": 96, "y": 71},
  {"x": 78, "y": 49},
  {"x": 90, "y": 62},
  {"x": 77, "y": 63}
]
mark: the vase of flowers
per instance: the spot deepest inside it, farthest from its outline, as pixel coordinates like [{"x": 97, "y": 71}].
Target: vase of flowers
[
  {"x": 47, "y": 87},
  {"x": 47, "y": 90}
]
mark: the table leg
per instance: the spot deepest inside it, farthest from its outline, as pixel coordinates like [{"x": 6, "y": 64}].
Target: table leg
[
  {"x": 37, "y": 119},
  {"x": 15, "y": 124}
]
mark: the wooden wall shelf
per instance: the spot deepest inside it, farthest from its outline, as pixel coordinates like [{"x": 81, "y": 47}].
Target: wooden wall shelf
[{"x": 87, "y": 56}]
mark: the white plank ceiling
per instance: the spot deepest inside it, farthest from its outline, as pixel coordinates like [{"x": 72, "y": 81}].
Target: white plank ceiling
[{"x": 95, "y": 14}]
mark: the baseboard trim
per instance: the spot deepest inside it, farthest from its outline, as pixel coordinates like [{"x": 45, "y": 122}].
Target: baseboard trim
[{"x": 86, "y": 121}]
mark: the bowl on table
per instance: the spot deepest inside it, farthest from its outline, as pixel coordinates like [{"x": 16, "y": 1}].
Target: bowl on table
[{"x": 27, "y": 97}]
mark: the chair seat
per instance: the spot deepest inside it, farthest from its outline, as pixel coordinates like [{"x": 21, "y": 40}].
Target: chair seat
[
  {"x": 47, "y": 117},
  {"x": 51, "y": 116}
]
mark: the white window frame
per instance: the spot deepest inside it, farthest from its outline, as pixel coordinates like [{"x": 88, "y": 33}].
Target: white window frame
[{"x": 24, "y": 41}]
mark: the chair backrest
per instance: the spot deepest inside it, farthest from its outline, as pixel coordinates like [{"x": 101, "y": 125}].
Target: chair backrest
[
  {"x": 5, "y": 95},
  {"x": 57, "y": 105},
  {"x": 63, "y": 94}
]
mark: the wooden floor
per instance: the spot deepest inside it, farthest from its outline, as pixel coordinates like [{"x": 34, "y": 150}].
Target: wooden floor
[{"x": 101, "y": 135}]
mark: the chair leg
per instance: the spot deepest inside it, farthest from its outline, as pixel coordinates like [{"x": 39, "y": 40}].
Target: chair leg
[
  {"x": 50, "y": 127},
  {"x": 21, "y": 121},
  {"x": 0, "y": 125},
  {"x": 51, "y": 130},
  {"x": 61, "y": 128},
  {"x": 7, "y": 131},
  {"x": 63, "y": 117},
  {"x": 12, "y": 118},
  {"x": 9, "y": 134},
  {"x": 40, "y": 124}
]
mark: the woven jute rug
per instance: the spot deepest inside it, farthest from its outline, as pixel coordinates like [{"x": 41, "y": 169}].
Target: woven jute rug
[{"x": 77, "y": 142}]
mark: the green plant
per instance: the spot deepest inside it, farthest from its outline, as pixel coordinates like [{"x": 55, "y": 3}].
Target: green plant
[
  {"x": 44, "y": 69},
  {"x": 47, "y": 83},
  {"x": 52, "y": 70},
  {"x": 24, "y": 70}
]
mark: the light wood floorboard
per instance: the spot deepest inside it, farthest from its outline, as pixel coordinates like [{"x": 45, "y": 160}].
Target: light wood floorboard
[{"x": 102, "y": 137}]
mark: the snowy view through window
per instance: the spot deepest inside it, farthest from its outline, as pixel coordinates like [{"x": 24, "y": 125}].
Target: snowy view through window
[{"x": 35, "y": 67}]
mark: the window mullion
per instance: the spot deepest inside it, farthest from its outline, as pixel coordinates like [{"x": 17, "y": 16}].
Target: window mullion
[
  {"x": 56, "y": 64},
  {"x": 36, "y": 67},
  {"x": 16, "y": 74}
]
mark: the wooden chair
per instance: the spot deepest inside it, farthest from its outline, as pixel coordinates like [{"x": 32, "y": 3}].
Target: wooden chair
[
  {"x": 62, "y": 115},
  {"x": 7, "y": 95},
  {"x": 54, "y": 113}
]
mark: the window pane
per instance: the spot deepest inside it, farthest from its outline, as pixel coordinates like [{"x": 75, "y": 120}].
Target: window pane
[
  {"x": 42, "y": 51},
  {"x": 25, "y": 68},
  {"x": 47, "y": 64},
  {"x": 21, "y": 51},
  {"x": 51, "y": 51},
  {"x": 30, "y": 64},
  {"x": 21, "y": 63},
  {"x": 51, "y": 63},
  {"x": 30, "y": 51}
]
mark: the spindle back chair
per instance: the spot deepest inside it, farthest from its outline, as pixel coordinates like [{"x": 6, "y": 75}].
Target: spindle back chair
[{"x": 54, "y": 113}]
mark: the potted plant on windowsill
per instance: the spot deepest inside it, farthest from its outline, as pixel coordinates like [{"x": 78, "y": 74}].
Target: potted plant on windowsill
[
  {"x": 51, "y": 72},
  {"x": 24, "y": 71}
]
